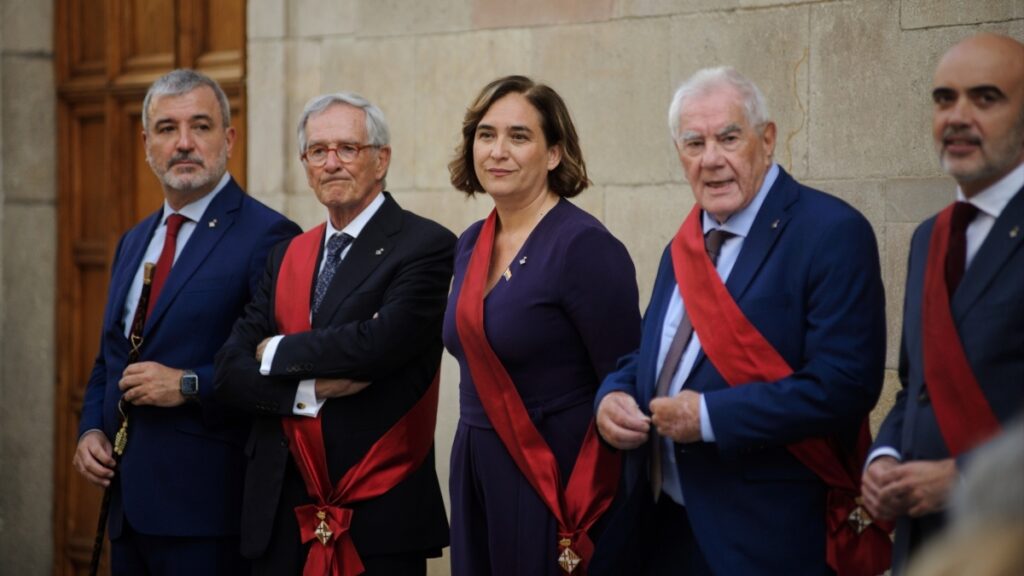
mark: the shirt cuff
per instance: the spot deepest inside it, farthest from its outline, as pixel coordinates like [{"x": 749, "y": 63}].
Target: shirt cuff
[
  {"x": 706, "y": 433},
  {"x": 882, "y": 451},
  {"x": 268, "y": 355},
  {"x": 306, "y": 402}
]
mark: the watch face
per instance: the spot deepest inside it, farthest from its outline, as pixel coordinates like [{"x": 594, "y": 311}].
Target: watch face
[{"x": 189, "y": 385}]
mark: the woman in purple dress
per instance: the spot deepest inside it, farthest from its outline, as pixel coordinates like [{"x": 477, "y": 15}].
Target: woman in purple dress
[{"x": 543, "y": 303}]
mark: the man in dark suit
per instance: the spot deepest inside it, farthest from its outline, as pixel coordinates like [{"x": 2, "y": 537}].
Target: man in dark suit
[
  {"x": 175, "y": 507},
  {"x": 336, "y": 356},
  {"x": 962, "y": 354},
  {"x": 710, "y": 421}
]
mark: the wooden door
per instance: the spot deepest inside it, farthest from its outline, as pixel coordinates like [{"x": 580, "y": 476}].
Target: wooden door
[{"x": 107, "y": 52}]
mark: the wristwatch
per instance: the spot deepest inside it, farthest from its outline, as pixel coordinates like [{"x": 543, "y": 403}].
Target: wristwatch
[{"x": 190, "y": 385}]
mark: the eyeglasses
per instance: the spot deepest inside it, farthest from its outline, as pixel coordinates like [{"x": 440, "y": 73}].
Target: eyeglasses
[{"x": 317, "y": 154}]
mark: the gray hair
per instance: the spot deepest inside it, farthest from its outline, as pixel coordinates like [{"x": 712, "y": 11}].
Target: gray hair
[
  {"x": 376, "y": 126},
  {"x": 704, "y": 81},
  {"x": 183, "y": 81}
]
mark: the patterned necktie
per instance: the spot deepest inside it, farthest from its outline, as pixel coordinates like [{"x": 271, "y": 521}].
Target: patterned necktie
[
  {"x": 166, "y": 260},
  {"x": 713, "y": 245},
  {"x": 956, "y": 257},
  {"x": 335, "y": 246}
]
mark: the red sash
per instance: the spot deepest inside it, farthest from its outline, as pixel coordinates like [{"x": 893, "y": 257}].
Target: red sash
[
  {"x": 856, "y": 544},
  {"x": 595, "y": 475},
  {"x": 391, "y": 459},
  {"x": 963, "y": 413}
]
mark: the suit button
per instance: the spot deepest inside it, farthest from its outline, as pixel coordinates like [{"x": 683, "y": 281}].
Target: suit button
[{"x": 301, "y": 405}]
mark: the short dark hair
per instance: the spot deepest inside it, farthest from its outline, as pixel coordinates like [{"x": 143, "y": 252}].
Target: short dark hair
[
  {"x": 183, "y": 81},
  {"x": 567, "y": 179}
]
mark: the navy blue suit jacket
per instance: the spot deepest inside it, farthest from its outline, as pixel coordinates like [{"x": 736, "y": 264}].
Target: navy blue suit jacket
[
  {"x": 808, "y": 278},
  {"x": 988, "y": 310},
  {"x": 181, "y": 474}
]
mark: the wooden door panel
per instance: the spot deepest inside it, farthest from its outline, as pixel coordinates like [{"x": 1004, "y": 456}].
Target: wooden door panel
[{"x": 107, "y": 54}]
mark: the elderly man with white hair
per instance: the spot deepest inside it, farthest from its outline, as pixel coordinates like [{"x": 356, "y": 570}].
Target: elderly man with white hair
[{"x": 744, "y": 409}]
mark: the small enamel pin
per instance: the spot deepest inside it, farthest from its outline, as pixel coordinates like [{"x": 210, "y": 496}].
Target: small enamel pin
[
  {"x": 522, "y": 261},
  {"x": 507, "y": 274},
  {"x": 775, "y": 224},
  {"x": 1014, "y": 231},
  {"x": 212, "y": 223},
  {"x": 379, "y": 251}
]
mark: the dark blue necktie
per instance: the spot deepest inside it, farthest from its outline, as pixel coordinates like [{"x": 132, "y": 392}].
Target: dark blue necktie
[{"x": 335, "y": 246}]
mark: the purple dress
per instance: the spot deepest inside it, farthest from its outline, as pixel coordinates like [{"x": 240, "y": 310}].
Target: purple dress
[{"x": 559, "y": 323}]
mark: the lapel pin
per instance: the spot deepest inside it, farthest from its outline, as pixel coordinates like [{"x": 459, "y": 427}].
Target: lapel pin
[
  {"x": 1014, "y": 231},
  {"x": 379, "y": 251},
  {"x": 522, "y": 261},
  {"x": 212, "y": 223},
  {"x": 775, "y": 224},
  {"x": 507, "y": 274}
]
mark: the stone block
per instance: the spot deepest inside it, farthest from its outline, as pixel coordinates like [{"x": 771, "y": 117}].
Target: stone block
[
  {"x": 505, "y": 14},
  {"x": 268, "y": 151},
  {"x": 303, "y": 82},
  {"x": 769, "y": 3},
  {"x": 628, "y": 8},
  {"x": 382, "y": 70},
  {"x": 319, "y": 18},
  {"x": 885, "y": 401},
  {"x": 28, "y": 375},
  {"x": 450, "y": 208},
  {"x": 27, "y": 26},
  {"x": 29, "y": 128},
  {"x": 928, "y": 13},
  {"x": 266, "y": 19},
  {"x": 913, "y": 200},
  {"x": 645, "y": 218},
  {"x": 449, "y": 72},
  {"x": 401, "y": 18},
  {"x": 303, "y": 208},
  {"x": 894, "y": 274},
  {"x": 617, "y": 90},
  {"x": 741, "y": 39},
  {"x": 870, "y": 92}
]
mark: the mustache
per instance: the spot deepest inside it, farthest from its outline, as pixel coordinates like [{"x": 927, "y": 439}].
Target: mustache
[
  {"x": 182, "y": 158},
  {"x": 961, "y": 132}
]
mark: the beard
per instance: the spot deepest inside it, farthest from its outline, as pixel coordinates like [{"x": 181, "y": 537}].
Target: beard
[{"x": 203, "y": 176}]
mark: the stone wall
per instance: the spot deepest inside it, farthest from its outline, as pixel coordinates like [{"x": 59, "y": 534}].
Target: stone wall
[
  {"x": 847, "y": 82},
  {"x": 28, "y": 268}
]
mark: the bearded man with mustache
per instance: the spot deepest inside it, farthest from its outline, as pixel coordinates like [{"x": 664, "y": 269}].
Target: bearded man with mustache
[
  {"x": 961, "y": 360},
  {"x": 176, "y": 492}
]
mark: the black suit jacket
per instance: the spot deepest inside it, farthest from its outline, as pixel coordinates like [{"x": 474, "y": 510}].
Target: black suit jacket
[{"x": 379, "y": 322}]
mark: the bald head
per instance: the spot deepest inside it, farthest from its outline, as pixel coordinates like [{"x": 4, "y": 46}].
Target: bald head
[{"x": 978, "y": 121}]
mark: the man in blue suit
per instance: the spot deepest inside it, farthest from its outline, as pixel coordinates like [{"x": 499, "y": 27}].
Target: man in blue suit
[
  {"x": 800, "y": 269},
  {"x": 176, "y": 494},
  {"x": 927, "y": 439}
]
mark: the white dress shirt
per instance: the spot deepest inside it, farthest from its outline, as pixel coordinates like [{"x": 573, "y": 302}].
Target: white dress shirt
[{"x": 306, "y": 403}]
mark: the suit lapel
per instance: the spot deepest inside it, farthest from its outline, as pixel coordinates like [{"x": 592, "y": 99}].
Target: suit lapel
[
  {"x": 768, "y": 225},
  {"x": 654, "y": 323},
  {"x": 132, "y": 252},
  {"x": 374, "y": 245},
  {"x": 1003, "y": 240},
  {"x": 216, "y": 221}
]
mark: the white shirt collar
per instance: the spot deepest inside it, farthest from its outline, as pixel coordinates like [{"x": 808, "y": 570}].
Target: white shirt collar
[
  {"x": 355, "y": 227},
  {"x": 740, "y": 222},
  {"x": 194, "y": 210},
  {"x": 993, "y": 200}
]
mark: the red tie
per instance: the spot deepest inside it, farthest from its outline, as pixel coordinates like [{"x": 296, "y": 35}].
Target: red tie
[
  {"x": 163, "y": 265},
  {"x": 956, "y": 258}
]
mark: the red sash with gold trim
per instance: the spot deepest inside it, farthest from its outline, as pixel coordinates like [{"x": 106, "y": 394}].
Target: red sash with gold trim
[
  {"x": 391, "y": 459},
  {"x": 856, "y": 544},
  {"x": 595, "y": 475},
  {"x": 963, "y": 413}
]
